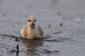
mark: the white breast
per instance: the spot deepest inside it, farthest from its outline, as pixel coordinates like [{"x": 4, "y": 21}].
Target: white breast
[{"x": 29, "y": 33}]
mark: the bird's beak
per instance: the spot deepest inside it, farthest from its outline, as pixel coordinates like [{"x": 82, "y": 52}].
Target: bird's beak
[{"x": 33, "y": 25}]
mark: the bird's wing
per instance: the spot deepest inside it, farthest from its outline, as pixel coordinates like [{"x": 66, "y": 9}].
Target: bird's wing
[{"x": 23, "y": 31}]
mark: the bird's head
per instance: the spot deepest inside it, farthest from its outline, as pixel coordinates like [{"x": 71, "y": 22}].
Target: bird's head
[{"x": 32, "y": 21}]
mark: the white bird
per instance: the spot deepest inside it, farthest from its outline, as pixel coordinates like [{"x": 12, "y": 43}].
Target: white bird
[{"x": 31, "y": 30}]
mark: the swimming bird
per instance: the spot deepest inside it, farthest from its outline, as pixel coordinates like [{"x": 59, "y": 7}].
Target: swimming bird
[{"x": 31, "y": 30}]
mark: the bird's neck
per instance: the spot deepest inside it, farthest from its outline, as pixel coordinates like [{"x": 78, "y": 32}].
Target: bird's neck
[{"x": 30, "y": 27}]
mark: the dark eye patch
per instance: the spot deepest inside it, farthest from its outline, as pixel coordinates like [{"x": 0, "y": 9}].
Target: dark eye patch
[{"x": 29, "y": 20}]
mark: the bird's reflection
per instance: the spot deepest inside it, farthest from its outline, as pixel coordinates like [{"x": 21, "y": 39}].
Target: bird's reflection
[{"x": 32, "y": 46}]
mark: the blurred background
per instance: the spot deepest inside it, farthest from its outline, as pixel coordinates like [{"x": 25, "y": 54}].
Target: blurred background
[{"x": 61, "y": 20}]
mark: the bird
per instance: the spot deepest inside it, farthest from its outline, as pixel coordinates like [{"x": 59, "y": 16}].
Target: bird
[{"x": 32, "y": 30}]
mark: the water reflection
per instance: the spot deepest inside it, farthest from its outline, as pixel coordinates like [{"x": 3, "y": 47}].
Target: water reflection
[{"x": 32, "y": 46}]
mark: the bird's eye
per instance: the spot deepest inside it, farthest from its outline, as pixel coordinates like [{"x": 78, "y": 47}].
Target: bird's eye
[{"x": 29, "y": 20}]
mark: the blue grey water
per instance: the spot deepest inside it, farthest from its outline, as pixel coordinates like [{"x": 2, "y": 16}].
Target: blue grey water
[{"x": 61, "y": 20}]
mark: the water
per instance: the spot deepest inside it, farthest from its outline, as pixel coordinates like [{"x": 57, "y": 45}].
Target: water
[{"x": 62, "y": 21}]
